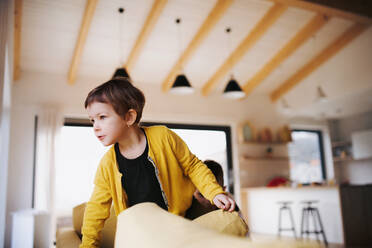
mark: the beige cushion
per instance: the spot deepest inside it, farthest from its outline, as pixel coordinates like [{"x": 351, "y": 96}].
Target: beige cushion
[
  {"x": 224, "y": 222},
  {"x": 147, "y": 225},
  {"x": 77, "y": 217},
  {"x": 108, "y": 231},
  {"x": 67, "y": 238}
]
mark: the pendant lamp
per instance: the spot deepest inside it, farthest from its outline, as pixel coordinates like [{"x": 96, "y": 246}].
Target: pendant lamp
[
  {"x": 181, "y": 85},
  {"x": 320, "y": 95},
  {"x": 285, "y": 104},
  {"x": 120, "y": 71},
  {"x": 232, "y": 90}
]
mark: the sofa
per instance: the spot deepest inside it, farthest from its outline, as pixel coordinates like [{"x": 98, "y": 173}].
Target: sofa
[
  {"x": 147, "y": 225},
  {"x": 220, "y": 221}
]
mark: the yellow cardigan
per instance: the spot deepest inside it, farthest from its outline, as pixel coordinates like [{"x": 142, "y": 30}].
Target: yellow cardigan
[{"x": 176, "y": 168}]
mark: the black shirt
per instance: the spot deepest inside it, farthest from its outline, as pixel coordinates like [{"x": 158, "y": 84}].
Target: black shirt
[{"x": 139, "y": 180}]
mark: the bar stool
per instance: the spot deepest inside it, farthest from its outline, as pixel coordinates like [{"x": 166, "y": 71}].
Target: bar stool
[
  {"x": 307, "y": 211},
  {"x": 283, "y": 207}
]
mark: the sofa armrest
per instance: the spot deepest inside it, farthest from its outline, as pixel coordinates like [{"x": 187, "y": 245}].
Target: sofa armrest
[
  {"x": 147, "y": 225},
  {"x": 67, "y": 238}
]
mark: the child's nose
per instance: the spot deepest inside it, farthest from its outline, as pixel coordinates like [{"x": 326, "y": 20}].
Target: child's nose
[{"x": 96, "y": 126}]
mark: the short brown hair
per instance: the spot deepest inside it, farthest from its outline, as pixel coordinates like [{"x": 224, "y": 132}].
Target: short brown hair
[
  {"x": 121, "y": 94},
  {"x": 216, "y": 169}
]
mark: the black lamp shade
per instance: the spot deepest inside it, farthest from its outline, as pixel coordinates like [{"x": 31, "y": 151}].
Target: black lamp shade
[
  {"x": 181, "y": 81},
  {"x": 233, "y": 90},
  {"x": 181, "y": 85},
  {"x": 121, "y": 72}
]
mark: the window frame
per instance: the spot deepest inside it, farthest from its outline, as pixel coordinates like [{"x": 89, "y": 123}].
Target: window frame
[{"x": 321, "y": 147}]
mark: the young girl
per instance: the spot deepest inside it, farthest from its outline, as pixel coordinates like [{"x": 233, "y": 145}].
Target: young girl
[{"x": 145, "y": 164}]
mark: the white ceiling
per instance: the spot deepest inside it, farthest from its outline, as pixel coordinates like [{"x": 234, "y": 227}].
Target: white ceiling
[{"x": 50, "y": 30}]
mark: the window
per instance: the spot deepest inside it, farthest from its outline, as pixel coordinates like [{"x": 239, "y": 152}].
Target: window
[
  {"x": 78, "y": 159},
  {"x": 307, "y": 157},
  {"x": 80, "y": 153}
]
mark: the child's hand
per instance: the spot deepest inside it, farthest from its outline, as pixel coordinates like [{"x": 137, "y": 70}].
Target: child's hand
[{"x": 224, "y": 202}]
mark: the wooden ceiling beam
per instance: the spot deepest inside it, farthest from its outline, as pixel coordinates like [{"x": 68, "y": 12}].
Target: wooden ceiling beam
[
  {"x": 348, "y": 36},
  {"x": 150, "y": 22},
  {"x": 316, "y": 23},
  {"x": 360, "y": 7},
  {"x": 17, "y": 38},
  {"x": 90, "y": 7},
  {"x": 271, "y": 16},
  {"x": 336, "y": 9},
  {"x": 213, "y": 17}
]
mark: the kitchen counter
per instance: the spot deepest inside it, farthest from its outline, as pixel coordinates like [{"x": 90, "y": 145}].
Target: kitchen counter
[
  {"x": 261, "y": 209},
  {"x": 326, "y": 187}
]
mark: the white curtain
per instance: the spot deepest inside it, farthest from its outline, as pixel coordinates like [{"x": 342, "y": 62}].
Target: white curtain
[
  {"x": 50, "y": 122},
  {"x": 5, "y": 95}
]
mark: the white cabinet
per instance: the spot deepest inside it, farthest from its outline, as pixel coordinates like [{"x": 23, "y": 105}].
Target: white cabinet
[
  {"x": 31, "y": 228},
  {"x": 362, "y": 144}
]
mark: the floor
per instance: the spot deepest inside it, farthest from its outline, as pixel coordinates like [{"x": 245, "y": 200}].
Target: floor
[{"x": 263, "y": 238}]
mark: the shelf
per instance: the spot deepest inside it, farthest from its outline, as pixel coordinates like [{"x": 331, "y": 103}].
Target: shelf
[
  {"x": 349, "y": 159},
  {"x": 345, "y": 159},
  {"x": 341, "y": 143},
  {"x": 263, "y": 143},
  {"x": 263, "y": 158}
]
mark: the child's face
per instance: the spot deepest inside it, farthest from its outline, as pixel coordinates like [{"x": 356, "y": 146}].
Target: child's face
[
  {"x": 108, "y": 126},
  {"x": 202, "y": 200}
]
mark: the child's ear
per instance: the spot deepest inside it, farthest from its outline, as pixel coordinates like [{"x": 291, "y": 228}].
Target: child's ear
[{"x": 130, "y": 117}]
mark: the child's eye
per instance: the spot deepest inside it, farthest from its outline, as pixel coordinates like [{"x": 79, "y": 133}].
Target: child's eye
[{"x": 102, "y": 117}]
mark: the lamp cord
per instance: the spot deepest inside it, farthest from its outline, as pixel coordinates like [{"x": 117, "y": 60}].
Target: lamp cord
[
  {"x": 178, "y": 22},
  {"x": 228, "y": 31},
  {"x": 120, "y": 45}
]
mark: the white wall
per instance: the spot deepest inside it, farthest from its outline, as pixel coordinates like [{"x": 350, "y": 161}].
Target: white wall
[
  {"x": 263, "y": 210},
  {"x": 6, "y": 25},
  {"x": 20, "y": 172}
]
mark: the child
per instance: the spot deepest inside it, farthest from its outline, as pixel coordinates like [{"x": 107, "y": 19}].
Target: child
[
  {"x": 145, "y": 164},
  {"x": 200, "y": 205}
]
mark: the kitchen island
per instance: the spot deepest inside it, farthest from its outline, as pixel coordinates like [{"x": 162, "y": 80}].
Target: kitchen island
[{"x": 261, "y": 209}]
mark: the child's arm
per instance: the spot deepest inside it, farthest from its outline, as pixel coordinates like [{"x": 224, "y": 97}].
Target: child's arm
[
  {"x": 97, "y": 211},
  {"x": 195, "y": 169}
]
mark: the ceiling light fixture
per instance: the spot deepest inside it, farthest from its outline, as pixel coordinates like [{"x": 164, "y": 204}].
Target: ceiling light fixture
[
  {"x": 181, "y": 85},
  {"x": 121, "y": 71},
  {"x": 320, "y": 95},
  {"x": 285, "y": 104},
  {"x": 232, "y": 89}
]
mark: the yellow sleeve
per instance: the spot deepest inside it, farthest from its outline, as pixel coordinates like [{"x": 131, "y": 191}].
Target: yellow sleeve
[
  {"x": 97, "y": 211},
  {"x": 195, "y": 169}
]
